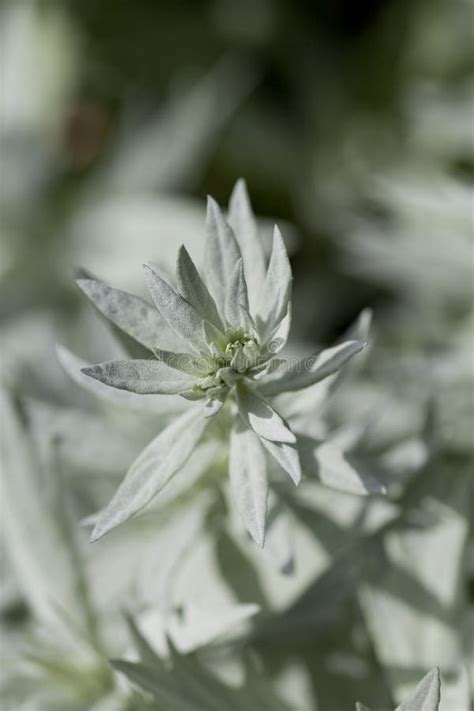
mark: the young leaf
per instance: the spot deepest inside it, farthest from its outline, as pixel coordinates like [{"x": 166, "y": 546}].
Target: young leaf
[
  {"x": 242, "y": 221},
  {"x": 236, "y": 297},
  {"x": 130, "y": 313},
  {"x": 193, "y": 289},
  {"x": 177, "y": 312},
  {"x": 153, "y": 468},
  {"x": 248, "y": 480},
  {"x": 258, "y": 414},
  {"x": 145, "y": 377},
  {"x": 309, "y": 370},
  {"x": 276, "y": 291},
  {"x": 191, "y": 364},
  {"x": 221, "y": 252},
  {"x": 426, "y": 696},
  {"x": 279, "y": 336},
  {"x": 287, "y": 457},
  {"x": 149, "y": 403}
]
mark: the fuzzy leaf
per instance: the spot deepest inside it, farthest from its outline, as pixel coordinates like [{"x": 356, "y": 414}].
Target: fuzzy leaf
[
  {"x": 242, "y": 221},
  {"x": 152, "y": 469},
  {"x": 248, "y": 480},
  {"x": 145, "y": 377},
  {"x": 287, "y": 457},
  {"x": 258, "y": 414},
  {"x": 177, "y": 312},
  {"x": 276, "y": 290},
  {"x": 34, "y": 539},
  {"x": 279, "y": 336},
  {"x": 221, "y": 252},
  {"x": 236, "y": 297},
  {"x": 426, "y": 696},
  {"x": 130, "y": 313},
  {"x": 193, "y": 289},
  {"x": 74, "y": 367},
  {"x": 307, "y": 371}
]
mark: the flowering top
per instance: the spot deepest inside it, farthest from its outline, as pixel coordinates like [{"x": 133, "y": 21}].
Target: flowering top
[{"x": 216, "y": 339}]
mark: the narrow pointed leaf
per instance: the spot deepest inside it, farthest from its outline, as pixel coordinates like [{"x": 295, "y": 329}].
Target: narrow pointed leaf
[
  {"x": 258, "y": 414},
  {"x": 177, "y": 312},
  {"x": 193, "y": 289},
  {"x": 248, "y": 480},
  {"x": 426, "y": 696},
  {"x": 279, "y": 336},
  {"x": 276, "y": 291},
  {"x": 303, "y": 372},
  {"x": 214, "y": 335},
  {"x": 133, "y": 315},
  {"x": 236, "y": 297},
  {"x": 145, "y": 377},
  {"x": 74, "y": 367},
  {"x": 242, "y": 221},
  {"x": 153, "y": 468},
  {"x": 287, "y": 457},
  {"x": 221, "y": 252}
]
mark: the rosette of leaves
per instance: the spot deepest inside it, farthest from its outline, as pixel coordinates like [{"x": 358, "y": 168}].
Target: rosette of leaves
[{"x": 214, "y": 340}]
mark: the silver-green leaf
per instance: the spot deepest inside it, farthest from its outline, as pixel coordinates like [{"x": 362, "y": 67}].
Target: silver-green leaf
[
  {"x": 145, "y": 377},
  {"x": 307, "y": 371},
  {"x": 258, "y": 414},
  {"x": 248, "y": 480},
  {"x": 130, "y": 313},
  {"x": 180, "y": 315},
  {"x": 152, "y": 469}
]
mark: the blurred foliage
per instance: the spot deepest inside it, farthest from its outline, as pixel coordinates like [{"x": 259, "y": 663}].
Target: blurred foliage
[{"x": 352, "y": 124}]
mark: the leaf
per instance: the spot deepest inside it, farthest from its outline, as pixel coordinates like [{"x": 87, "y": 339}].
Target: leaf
[
  {"x": 248, "y": 480},
  {"x": 426, "y": 696},
  {"x": 361, "y": 707},
  {"x": 130, "y": 313},
  {"x": 279, "y": 336},
  {"x": 145, "y": 377},
  {"x": 306, "y": 371},
  {"x": 287, "y": 457},
  {"x": 236, "y": 297},
  {"x": 36, "y": 537},
  {"x": 242, "y": 221},
  {"x": 153, "y": 468},
  {"x": 213, "y": 335},
  {"x": 74, "y": 366},
  {"x": 328, "y": 463},
  {"x": 215, "y": 404},
  {"x": 181, "y": 689},
  {"x": 177, "y": 312},
  {"x": 276, "y": 290},
  {"x": 193, "y": 365},
  {"x": 193, "y": 289},
  {"x": 221, "y": 252},
  {"x": 258, "y": 414}
]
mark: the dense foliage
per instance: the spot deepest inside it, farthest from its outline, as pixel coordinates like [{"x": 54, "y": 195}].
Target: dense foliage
[{"x": 185, "y": 427}]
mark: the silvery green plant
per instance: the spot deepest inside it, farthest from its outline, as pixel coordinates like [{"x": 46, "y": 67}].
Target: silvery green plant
[{"x": 216, "y": 340}]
